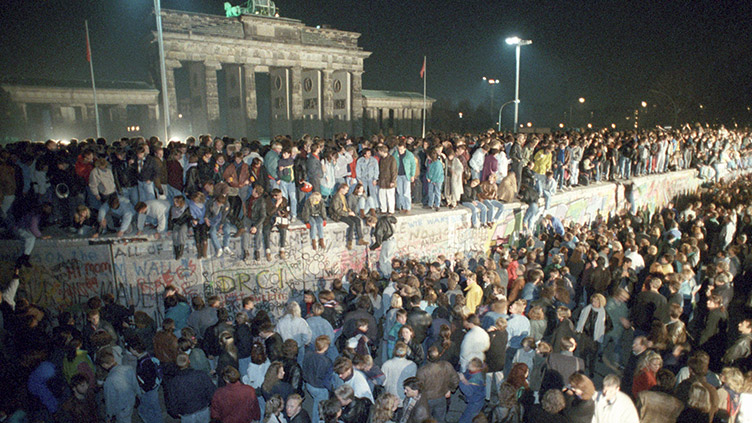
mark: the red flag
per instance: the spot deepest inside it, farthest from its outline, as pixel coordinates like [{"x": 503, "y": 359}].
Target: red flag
[
  {"x": 88, "y": 48},
  {"x": 423, "y": 69}
]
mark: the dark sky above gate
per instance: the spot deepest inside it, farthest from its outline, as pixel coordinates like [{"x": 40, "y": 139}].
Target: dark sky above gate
[{"x": 615, "y": 54}]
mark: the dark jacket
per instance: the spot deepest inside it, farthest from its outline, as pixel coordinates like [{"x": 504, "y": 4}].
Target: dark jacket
[
  {"x": 419, "y": 412},
  {"x": 309, "y": 209},
  {"x": 255, "y": 210},
  {"x": 438, "y": 378},
  {"x": 273, "y": 211},
  {"x": 339, "y": 208},
  {"x": 357, "y": 411},
  {"x": 420, "y": 321},
  {"x": 188, "y": 392},
  {"x": 388, "y": 172},
  {"x": 192, "y": 181},
  {"x": 383, "y": 231},
  {"x": 496, "y": 354},
  {"x": 235, "y": 403},
  {"x": 315, "y": 172}
]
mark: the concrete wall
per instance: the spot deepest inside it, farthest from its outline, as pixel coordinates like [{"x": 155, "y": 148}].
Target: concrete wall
[{"x": 67, "y": 272}]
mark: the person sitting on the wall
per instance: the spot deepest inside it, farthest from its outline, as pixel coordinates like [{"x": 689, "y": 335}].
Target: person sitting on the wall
[
  {"x": 84, "y": 223},
  {"x": 199, "y": 222},
  {"x": 277, "y": 215},
  {"x": 180, "y": 219},
  {"x": 340, "y": 212},
  {"x": 255, "y": 215},
  {"x": 117, "y": 210},
  {"x": 314, "y": 214},
  {"x": 29, "y": 229}
]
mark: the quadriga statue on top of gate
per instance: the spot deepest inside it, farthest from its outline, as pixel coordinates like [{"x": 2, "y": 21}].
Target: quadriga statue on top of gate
[{"x": 252, "y": 7}]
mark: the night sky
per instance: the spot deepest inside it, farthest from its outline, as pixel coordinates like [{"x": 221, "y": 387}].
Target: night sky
[{"x": 615, "y": 54}]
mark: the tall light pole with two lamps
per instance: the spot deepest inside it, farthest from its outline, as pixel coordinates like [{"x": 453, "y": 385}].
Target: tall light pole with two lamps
[
  {"x": 517, "y": 42},
  {"x": 492, "y": 83}
]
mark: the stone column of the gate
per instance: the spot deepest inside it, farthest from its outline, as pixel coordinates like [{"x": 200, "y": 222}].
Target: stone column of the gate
[
  {"x": 197, "y": 84},
  {"x": 327, "y": 98},
  {"x": 296, "y": 98},
  {"x": 251, "y": 109},
  {"x": 357, "y": 103},
  {"x": 235, "y": 100},
  {"x": 212, "y": 95},
  {"x": 280, "y": 98},
  {"x": 172, "y": 97}
]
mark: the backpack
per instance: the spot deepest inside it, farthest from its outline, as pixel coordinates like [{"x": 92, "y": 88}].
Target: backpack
[{"x": 149, "y": 373}]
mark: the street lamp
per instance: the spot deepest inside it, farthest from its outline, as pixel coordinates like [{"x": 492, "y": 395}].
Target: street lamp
[
  {"x": 491, "y": 82},
  {"x": 517, "y": 42},
  {"x": 502, "y": 108},
  {"x": 162, "y": 70}
]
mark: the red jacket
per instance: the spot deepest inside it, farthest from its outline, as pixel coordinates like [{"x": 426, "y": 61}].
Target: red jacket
[
  {"x": 83, "y": 169},
  {"x": 235, "y": 403}
]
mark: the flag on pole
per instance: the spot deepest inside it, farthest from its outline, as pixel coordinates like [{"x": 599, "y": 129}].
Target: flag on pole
[
  {"x": 423, "y": 69},
  {"x": 88, "y": 47}
]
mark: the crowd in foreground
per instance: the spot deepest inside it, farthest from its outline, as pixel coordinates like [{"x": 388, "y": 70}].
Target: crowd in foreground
[
  {"x": 216, "y": 188},
  {"x": 634, "y": 317}
]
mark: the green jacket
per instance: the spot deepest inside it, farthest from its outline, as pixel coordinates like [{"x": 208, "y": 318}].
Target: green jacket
[{"x": 408, "y": 162}]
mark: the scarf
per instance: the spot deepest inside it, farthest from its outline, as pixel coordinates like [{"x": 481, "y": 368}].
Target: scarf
[
  {"x": 176, "y": 212},
  {"x": 600, "y": 322}
]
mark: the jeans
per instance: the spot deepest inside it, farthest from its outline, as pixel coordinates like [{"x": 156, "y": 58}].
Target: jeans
[
  {"x": 146, "y": 191},
  {"x": 386, "y": 200},
  {"x": 317, "y": 227},
  {"x": 477, "y": 211},
  {"x": 29, "y": 240},
  {"x": 559, "y": 176},
  {"x": 388, "y": 249},
  {"x": 227, "y": 230},
  {"x": 438, "y": 407},
  {"x": 530, "y": 214},
  {"x": 200, "y": 416},
  {"x": 434, "y": 194},
  {"x": 288, "y": 191},
  {"x": 253, "y": 240},
  {"x": 366, "y": 204},
  {"x": 472, "y": 409},
  {"x": 493, "y": 381},
  {"x": 282, "y": 237},
  {"x": 372, "y": 191},
  {"x": 625, "y": 167},
  {"x": 353, "y": 225},
  {"x": 149, "y": 409},
  {"x": 404, "y": 198},
  {"x": 317, "y": 395},
  {"x": 494, "y": 208}
]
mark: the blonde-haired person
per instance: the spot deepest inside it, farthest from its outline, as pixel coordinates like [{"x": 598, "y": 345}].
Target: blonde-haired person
[
  {"x": 645, "y": 375},
  {"x": 314, "y": 216},
  {"x": 273, "y": 411},
  {"x": 592, "y": 327},
  {"x": 732, "y": 381},
  {"x": 384, "y": 409}
]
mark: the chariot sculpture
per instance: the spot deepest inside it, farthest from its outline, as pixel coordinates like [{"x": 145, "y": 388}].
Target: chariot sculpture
[{"x": 252, "y": 7}]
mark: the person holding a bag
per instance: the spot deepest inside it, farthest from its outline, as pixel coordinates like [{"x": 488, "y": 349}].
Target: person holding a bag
[{"x": 277, "y": 215}]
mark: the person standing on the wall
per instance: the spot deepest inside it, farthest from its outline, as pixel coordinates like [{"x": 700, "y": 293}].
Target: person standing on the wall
[
  {"x": 405, "y": 175},
  {"x": 387, "y": 179},
  {"x": 29, "y": 229}
]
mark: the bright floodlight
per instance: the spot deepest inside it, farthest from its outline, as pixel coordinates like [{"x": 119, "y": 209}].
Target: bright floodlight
[
  {"x": 581, "y": 100},
  {"x": 644, "y": 104},
  {"x": 517, "y": 41}
]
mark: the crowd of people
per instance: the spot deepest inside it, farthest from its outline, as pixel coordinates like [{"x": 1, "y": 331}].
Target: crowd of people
[
  {"x": 218, "y": 188},
  {"x": 634, "y": 317}
]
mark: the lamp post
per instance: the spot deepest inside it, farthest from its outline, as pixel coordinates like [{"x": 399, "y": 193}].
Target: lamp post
[
  {"x": 517, "y": 42},
  {"x": 163, "y": 72},
  {"x": 491, "y": 82},
  {"x": 502, "y": 108}
]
